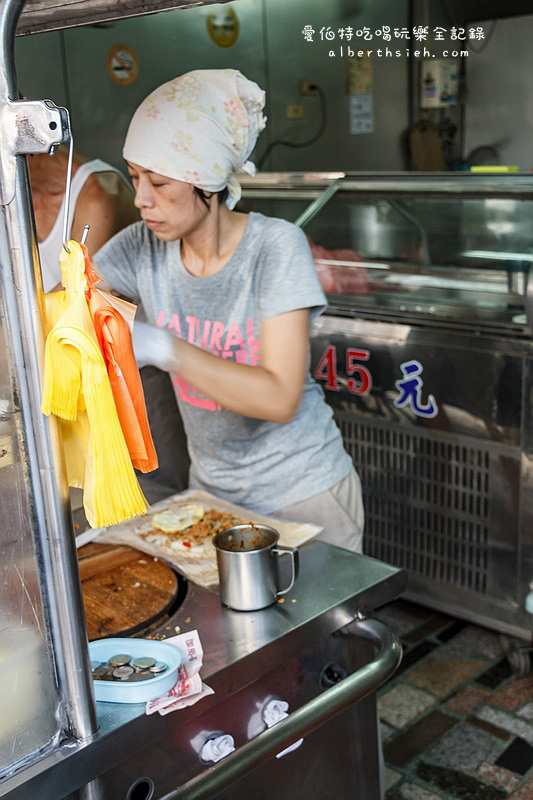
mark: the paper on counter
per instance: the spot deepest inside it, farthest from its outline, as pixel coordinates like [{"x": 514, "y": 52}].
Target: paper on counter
[
  {"x": 200, "y": 569},
  {"x": 189, "y": 687}
]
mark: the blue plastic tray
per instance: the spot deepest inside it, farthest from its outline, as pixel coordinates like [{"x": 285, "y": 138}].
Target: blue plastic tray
[{"x": 140, "y": 691}]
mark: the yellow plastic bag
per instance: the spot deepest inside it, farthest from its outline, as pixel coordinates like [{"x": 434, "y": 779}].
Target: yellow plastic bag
[{"x": 77, "y": 390}]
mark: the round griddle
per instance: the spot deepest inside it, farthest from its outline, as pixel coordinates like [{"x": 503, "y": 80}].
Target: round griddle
[{"x": 126, "y": 592}]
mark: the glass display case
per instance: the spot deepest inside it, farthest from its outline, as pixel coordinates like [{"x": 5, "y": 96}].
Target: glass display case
[
  {"x": 445, "y": 248},
  {"x": 425, "y": 355}
]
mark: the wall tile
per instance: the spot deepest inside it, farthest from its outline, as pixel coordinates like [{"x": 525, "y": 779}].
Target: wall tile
[
  {"x": 402, "y": 704},
  {"x": 414, "y": 654},
  {"x": 518, "y": 726},
  {"x": 518, "y": 757},
  {"x": 391, "y": 777},
  {"x": 495, "y": 675},
  {"x": 440, "y": 676},
  {"x": 497, "y": 775},
  {"x": 412, "y": 742},
  {"x": 513, "y": 694},
  {"x": 464, "y": 747},
  {"x": 527, "y": 712},
  {"x": 458, "y": 785},
  {"x": 475, "y": 642},
  {"x": 525, "y": 792},
  {"x": 466, "y": 699},
  {"x": 488, "y": 727},
  {"x": 409, "y": 791}
]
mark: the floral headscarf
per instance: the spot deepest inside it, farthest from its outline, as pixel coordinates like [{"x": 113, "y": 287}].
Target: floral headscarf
[{"x": 199, "y": 128}]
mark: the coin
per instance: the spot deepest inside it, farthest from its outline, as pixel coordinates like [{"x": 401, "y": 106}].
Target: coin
[
  {"x": 100, "y": 670},
  {"x": 119, "y": 660},
  {"x": 143, "y": 663},
  {"x": 159, "y": 667},
  {"x": 141, "y": 675},
  {"x": 122, "y": 673}
]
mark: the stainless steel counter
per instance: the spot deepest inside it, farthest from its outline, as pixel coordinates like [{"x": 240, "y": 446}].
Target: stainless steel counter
[{"x": 239, "y": 648}]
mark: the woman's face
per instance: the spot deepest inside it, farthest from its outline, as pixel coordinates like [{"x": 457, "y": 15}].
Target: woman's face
[{"x": 170, "y": 208}]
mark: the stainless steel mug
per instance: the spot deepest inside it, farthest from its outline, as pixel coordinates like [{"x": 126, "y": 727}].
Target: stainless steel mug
[{"x": 247, "y": 559}]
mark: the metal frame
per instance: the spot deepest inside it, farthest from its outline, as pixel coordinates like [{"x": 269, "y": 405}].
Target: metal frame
[
  {"x": 50, "y": 15},
  {"x": 34, "y": 127}
]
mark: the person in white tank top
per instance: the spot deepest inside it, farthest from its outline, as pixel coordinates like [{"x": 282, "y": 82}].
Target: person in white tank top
[{"x": 100, "y": 197}]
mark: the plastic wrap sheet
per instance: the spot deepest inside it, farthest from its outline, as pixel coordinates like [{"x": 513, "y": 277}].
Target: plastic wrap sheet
[{"x": 201, "y": 569}]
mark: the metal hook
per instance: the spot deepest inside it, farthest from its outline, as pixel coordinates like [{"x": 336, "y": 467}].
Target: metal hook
[
  {"x": 67, "y": 193},
  {"x": 85, "y": 233}
]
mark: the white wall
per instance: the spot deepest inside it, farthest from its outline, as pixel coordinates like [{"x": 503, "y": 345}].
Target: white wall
[
  {"x": 499, "y": 82},
  {"x": 292, "y": 59},
  {"x": 270, "y": 49}
]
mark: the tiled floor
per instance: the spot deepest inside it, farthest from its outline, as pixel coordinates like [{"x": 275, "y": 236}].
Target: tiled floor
[{"x": 457, "y": 723}]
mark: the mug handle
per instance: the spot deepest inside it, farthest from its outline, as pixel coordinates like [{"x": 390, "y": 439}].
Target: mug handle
[{"x": 281, "y": 550}]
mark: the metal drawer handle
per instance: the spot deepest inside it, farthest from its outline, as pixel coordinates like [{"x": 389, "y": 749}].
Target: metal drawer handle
[{"x": 302, "y": 721}]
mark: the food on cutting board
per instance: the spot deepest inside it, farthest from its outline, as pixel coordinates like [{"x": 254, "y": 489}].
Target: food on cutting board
[
  {"x": 177, "y": 519},
  {"x": 188, "y": 528}
]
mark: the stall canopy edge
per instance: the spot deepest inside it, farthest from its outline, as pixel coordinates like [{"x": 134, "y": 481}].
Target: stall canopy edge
[{"x": 47, "y": 15}]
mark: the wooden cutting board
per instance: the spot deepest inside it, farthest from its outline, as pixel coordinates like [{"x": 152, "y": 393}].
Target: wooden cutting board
[{"x": 124, "y": 591}]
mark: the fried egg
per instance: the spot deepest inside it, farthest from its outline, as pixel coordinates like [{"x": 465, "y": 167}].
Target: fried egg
[{"x": 177, "y": 519}]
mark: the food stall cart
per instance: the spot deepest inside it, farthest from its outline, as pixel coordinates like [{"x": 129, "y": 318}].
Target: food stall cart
[
  {"x": 319, "y": 652},
  {"x": 425, "y": 354}
]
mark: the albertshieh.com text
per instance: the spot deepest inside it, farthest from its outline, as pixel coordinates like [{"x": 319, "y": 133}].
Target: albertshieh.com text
[{"x": 387, "y": 52}]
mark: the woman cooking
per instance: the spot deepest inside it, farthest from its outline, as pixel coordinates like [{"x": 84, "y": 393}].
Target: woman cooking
[{"x": 229, "y": 297}]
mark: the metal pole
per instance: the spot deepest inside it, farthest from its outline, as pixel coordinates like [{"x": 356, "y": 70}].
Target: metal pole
[
  {"x": 53, "y": 532},
  {"x": 304, "y": 720}
]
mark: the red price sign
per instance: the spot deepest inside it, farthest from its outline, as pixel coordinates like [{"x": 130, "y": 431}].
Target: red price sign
[{"x": 359, "y": 376}]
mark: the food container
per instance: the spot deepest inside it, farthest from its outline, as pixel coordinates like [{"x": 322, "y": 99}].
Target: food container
[{"x": 140, "y": 691}]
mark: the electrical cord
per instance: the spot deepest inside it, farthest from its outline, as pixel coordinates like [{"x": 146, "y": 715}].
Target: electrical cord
[
  {"x": 484, "y": 44},
  {"x": 469, "y": 42},
  {"x": 297, "y": 145}
]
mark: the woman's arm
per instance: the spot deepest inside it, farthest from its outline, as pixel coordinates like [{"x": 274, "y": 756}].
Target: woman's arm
[{"x": 270, "y": 391}]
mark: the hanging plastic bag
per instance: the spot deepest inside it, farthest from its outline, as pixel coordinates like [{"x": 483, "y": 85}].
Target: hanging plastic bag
[
  {"x": 78, "y": 391},
  {"x": 113, "y": 322}
]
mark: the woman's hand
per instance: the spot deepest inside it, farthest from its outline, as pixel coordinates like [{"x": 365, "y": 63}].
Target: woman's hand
[
  {"x": 271, "y": 391},
  {"x": 153, "y": 346}
]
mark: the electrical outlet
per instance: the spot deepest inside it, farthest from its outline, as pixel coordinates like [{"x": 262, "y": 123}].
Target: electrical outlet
[
  {"x": 294, "y": 111},
  {"x": 307, "y": 88}
]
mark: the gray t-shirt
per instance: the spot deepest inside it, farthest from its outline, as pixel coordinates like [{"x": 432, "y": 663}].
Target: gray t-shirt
[{"x": 261, "y": 465}]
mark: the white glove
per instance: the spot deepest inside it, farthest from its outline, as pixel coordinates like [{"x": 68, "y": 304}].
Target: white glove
[{"x": 154, "y": 346}]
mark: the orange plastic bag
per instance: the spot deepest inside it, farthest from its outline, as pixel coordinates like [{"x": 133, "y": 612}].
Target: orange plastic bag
[{"x": 114, "y": 336}]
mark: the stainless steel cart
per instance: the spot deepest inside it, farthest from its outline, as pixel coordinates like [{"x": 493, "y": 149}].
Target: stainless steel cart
[
  {"x": 318, "y": 652},
  {"x": 425, "y": 353}
]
